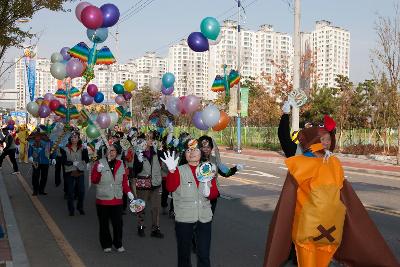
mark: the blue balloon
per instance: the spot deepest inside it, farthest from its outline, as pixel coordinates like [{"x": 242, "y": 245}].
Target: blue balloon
[
  {"x": 98, "y": 35},
  {"x": 168, "y": 79},
  {"x": 210, "y": 28},
  {"x": 99, "y": 97},
  {"x": 110, "y": 15},
  {"x": 198, "y": 42}
]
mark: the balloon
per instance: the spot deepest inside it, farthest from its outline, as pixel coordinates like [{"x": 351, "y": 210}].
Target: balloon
[
  {"x": 155, "y": 84},
  {"x": 223, "y": 122},
  {"x": 44, "y": 111},
  {"x": 78, "y": 10},
  {"x": 92, "y": 17},
  {"x": 172, "y": 105},
  {"x": 168, "y": 79},
  {"x": 198, "y": 42},
  {"x": 104, "y": 120},
  {"x": 210, "y": 115},
  {"x": 56, "y": 57},
  {"x": 58, "y": 70},
  {"x": 210, "y": 28},
  {"x": 10, "y": 127},
  {"x": 99, "y": 97},
  {"x": 191, "y": 103},
  {"x": 127, "y": 96},
  {"x": 198, "y": 121},
  {"x": 45, "y": 103},
  {"x": 98, "y": 35},
  {"x": 129, "y": 85},
  {"x": 180, "y": 105},
  {"x": 110, "y": 15},
  {"x": 48, "y": 96},
  {"x": 74, "y": 68},
  {"x": 10, "y": 122},
  {"x": 118, "y": 89},
  {"x": 54, "y": 104},
  {"x": 114, "y": 119},
  {"x": 215, "y": 42},
  {"x": 92, "y": 90},
  {"x": 64, "y": 53},
  {"x": 39, "y": 100},
  {"x": 86, "y": 99},
  {"x": 119, "y": 99},
  {"x": 92, "y": 132},
  {"x": 167, "y": 91}
]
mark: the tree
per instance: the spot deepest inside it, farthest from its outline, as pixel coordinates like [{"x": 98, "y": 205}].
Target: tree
[
  {"x": 386, "y": 59},
  {"x": 321, "y": 102},
  {"x": 144, "y": 101}
]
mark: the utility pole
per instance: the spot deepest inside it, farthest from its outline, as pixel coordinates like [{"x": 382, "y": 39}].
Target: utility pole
[
  {"x": 296, "y": 62},
  {"x": 239, "y": 149}
]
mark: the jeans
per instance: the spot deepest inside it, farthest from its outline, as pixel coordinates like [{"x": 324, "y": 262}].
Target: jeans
[
  {"x": 184, "y": 233},
  {"x": 72, "y": 182}
]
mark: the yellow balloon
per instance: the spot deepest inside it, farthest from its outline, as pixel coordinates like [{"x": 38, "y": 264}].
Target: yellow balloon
[{"x": 129, "y": 85}]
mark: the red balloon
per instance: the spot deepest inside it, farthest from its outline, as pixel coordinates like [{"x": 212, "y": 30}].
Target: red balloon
[
  {"x": 92, "y": 17},
  {"x": 181, "y": 106},
  {"x": 92, "y": 89},
  {"x": 54, "y": 104}
]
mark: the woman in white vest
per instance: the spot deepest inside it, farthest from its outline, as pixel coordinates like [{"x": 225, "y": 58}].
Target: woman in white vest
[
  {"x": 192, "y": 205},
  {"x": 111, "y": 181}
]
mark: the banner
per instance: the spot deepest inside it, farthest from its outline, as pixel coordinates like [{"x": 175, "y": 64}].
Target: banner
[
  {"x": 232, "y": 112},
  {"x": 244, "y": 101},
  {"x": 30, "y": 68}
]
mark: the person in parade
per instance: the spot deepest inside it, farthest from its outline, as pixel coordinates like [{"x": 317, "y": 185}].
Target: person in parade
[
  {"x": 22, "y": 135},
  {"x": 111, "y": 180},
  {"x": 193, "y": 186},
  {"x": 9, "y": 149}
]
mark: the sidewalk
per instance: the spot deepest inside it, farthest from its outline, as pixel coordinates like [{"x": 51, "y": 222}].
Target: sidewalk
[{"x": 354, "y": 164}]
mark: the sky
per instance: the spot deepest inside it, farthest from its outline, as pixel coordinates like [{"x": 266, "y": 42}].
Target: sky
[{"x": 163, "y": 22}]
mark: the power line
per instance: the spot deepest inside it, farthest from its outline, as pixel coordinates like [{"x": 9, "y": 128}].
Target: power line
[
  {"x": 132, "y": 7},
  {"x": 136, "y": 10}
]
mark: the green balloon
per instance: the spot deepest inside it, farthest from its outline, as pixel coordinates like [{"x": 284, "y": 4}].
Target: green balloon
[
  {"x": 92, "y": 132},
  {"x": 210, "y": 28},
  {"x": 118, "y": 89}
]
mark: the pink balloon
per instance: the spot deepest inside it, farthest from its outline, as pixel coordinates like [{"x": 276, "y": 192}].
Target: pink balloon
[
  {"x": 127, "y": 96},
  {"x": 92, "y": 17},
  {"x": 48, "y": 96},
  {"x": 78, "y": 10},
  {"x": 74, "y": 68},
  {"x": 92, "y": 90},
  {"x": 104, "y": 120},
  {"x": 119, "y": 99},
  {"x": 191, "y": 103}
]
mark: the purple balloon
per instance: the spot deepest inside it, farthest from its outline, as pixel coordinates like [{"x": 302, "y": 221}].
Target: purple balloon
[
  {"x": 127, "y": 96},
  {"x": 119, "y": 99},
  {"x": 104, "y": 120},
  {"x": 198, "y": 121},
  {"x": 74, "y": 68},
  {"x": 167, "y": 91},
  {"x": 86, "y": 99},
  {"x": 44, "y": 111},
  {"x": 191, "y": 103},
  {"x": 78, "y": 10},
  {"x": 64, "y": 53},
  {"x": 92, "y": 89},
  {"x": 198, "y": 42},
  {"x": 173, "y": 105},
  {"x": 48, "y": 96},
  {"x": 110, "y": 15}
]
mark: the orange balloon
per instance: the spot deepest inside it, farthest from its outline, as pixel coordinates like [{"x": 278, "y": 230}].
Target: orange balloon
[
  {"x": 223, "y": 121},
  {"x": 45, "y": 102}
]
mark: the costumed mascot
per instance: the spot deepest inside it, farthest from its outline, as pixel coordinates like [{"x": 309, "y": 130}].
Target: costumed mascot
[
  {"x": 22, "y": 136},
  {"x": 321, "y": 214}
]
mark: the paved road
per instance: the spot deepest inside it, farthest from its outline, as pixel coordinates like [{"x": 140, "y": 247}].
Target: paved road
[{"x": 239, "y": 227}]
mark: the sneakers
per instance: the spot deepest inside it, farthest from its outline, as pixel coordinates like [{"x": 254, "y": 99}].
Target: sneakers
[
  {"x": 172, "y": 214},
  {"x": 107, "y": 250},
  {"x": 140, "y": 231},
  {"x": 157, "y": 233},
  {"x": 121, "y": 249}
]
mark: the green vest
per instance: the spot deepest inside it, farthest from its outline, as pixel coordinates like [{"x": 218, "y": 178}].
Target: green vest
[
  {"x": 110, "y": 187},
  {"x": 153, "y": 170},
  {"x": 189, "y": 203}
]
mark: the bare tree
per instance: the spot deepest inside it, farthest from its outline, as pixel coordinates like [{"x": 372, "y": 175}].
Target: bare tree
[{"x": 386, "y": 59}]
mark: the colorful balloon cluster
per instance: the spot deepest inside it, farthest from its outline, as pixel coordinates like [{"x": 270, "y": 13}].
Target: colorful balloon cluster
[
  {"x": 92, "y": 94},
  {"x": 209, "y": 35},
  {"x": 43, "y": 106},
  {"x": 210, "y": 117},
  {"x": 93, "y": 17},
  {"x": 64, "y": 66},
  {"x": 124, "y": 92}
]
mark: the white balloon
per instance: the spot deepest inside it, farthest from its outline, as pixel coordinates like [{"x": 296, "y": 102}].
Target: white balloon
[
  {"x": 58, "y": 70},
  {"x": 216, "y": 41},
  {"x": 155, "y": 84},
  {"x": 114, "y": 119},
  {"x": 210, "y": 115},
  {"x": 56, "y": 57}
]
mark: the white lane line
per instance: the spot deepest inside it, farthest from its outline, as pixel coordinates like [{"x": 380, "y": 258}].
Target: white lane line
[
  {"x": 259, "y": 173},
  {"x": 283, "y": 168},
  {"x": 254, "y": 160},
  {"x": 373, "y": 175}
]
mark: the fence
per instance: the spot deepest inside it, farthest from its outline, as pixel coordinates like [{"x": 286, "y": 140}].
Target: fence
[{"x": 267, "y": 137}]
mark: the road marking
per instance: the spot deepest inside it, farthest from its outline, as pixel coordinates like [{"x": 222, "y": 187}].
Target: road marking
[
  {"x": 259, "y": 173},
  {"x": 382, "y": 210},
  {"x": 283, "y": 168},
  {"x": 373, "y": 175},
  {"x": 71, "y": 255},
  {"x": 254, "y": 160},
  {"x": 241, "y": 180}
]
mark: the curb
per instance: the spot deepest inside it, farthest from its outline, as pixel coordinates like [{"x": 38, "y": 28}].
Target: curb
[
  {"x": 280, "y": 160},
  {"x": 18, "y": 253}
]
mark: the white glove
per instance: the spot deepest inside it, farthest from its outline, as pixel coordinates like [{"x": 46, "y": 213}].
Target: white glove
[
  {"x": 286, "y": 107},
  {"x": 84, "y": 145},
  {"x": 140, "y": 156},
  {"x": 76, "y": 163},
  {"x": 98, "y": 144},
  {"x": 30, "y": 159},
  {"x": 170, "y": 161},
  {"x": 327, "y": 155},
  {"x": 206, "y": 189},
  {"x": 239, "y": 167},
  {"x": 130, "y": 196},
  {"x": 100, "y": 167},
  {"x": 53, "y": 162}
]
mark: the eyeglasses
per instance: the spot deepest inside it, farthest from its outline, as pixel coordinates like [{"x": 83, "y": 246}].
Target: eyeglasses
[{"x": 189, "y": 150}]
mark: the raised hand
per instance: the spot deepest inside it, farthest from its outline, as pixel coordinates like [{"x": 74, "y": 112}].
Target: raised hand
[{"x": 170, "y": 161}]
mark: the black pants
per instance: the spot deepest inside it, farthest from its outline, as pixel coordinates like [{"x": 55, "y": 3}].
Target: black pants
[
  {"x": 164, "y": 194},
  {"x": 213, "y": 205},
  {"x": 73, "y": 183},
  {"x": 57, "y": 173},
  {"x": 41, "y": 171},
  {"x": 184, "y": 233},
  {"x": 105, "y": 214},
  {"x": 11, "y": 154}
]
